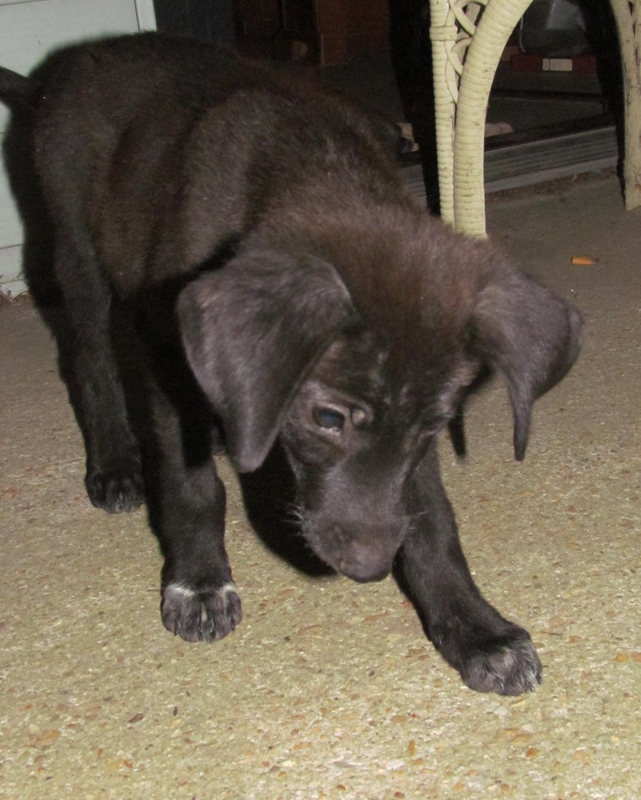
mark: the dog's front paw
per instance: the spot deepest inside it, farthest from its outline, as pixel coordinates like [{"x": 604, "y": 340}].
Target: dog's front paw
[
  {"x": 118, "y": 489},
  {"x": 201, "y": 615},
  {"x": 506, "y": 665}
]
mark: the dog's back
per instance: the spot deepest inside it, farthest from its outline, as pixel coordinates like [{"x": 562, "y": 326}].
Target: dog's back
[{"x": 143, "y": 126}]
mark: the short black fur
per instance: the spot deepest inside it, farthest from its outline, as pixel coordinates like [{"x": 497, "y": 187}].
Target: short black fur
[{"x": 284, "y": 294}]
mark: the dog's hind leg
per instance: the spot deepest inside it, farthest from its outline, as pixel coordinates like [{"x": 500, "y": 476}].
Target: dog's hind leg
[
  {"x": 491, "y": 653},
  {"x": 114, "y": 478},
  {"x": 187, "y": 508}
]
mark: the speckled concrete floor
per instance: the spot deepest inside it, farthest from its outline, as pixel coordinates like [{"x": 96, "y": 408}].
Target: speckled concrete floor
[{"x": 329, "y": 689}]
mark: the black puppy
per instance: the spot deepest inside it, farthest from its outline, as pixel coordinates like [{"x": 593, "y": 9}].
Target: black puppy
[{"x": 260, "y": 232}]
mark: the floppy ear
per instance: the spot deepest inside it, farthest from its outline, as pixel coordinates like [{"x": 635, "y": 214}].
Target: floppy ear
[
  {"x": 251, "y": 332},
  {"x": 529, "y": 334}
]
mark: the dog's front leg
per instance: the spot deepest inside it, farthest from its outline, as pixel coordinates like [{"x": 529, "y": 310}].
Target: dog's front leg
[
  {"x": 187, "y": 506},
  {"x": 114, "y": 475},
  {"x": 492, "y": 654}
]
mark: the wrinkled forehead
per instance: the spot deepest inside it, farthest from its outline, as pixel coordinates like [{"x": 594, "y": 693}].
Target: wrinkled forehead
[
  {"x": 363, "y": 365},
  {"x": 357, "y": 363}
]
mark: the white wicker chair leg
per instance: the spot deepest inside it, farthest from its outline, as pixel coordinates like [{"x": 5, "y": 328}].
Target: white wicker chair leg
[
  {"x": 483, "y": 54},
  {"x": 465, "y": 59},
  {"x": 443, "y": 37},
  {"x": 628, "y": 20}
]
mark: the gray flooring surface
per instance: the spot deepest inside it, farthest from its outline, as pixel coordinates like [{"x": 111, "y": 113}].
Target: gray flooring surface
[{"x": 329, "y": 689}]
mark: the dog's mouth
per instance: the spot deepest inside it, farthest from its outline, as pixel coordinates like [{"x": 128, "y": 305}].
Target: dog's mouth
[
  {"x": 363, "y": 559},
  {"x": 364, "y": 574},
  {"x": 356, "y": 570}
]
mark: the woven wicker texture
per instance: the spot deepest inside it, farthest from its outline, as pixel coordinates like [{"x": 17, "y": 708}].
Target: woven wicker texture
[{"x": 467, "y": 47}]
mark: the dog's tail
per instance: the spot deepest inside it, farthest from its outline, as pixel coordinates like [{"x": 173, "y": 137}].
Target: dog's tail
[{"x": 16, "y": 91}]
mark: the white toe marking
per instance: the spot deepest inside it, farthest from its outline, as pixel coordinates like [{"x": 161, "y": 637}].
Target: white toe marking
[
  {"x": 228, "y": 588},
  {"x": 177, "y": 588},
  {"x": 185, "y": 591}
]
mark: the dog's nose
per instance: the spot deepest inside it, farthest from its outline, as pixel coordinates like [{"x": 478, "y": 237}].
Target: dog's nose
[{"x": 363, "y": 564}]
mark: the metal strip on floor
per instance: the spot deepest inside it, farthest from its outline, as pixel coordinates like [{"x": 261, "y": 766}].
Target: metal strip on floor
[{"x": 527, "y": 163}]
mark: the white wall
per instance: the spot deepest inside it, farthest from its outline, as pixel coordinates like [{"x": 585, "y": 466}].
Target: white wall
[{"x": 29, "y": 29}]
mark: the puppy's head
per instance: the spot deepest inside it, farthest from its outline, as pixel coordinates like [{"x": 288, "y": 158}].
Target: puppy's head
[
  {"x": 354, "y": 433},
  {"x": 358, "y": 373}
]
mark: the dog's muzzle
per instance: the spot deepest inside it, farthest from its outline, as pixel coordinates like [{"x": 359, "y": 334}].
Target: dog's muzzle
[
  {"x": 363, "y": 551},
  {"x": 364, "y": 562}
]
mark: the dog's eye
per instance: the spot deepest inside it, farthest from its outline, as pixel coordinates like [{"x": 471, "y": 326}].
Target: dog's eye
[{"x": 329, "y": 418}]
